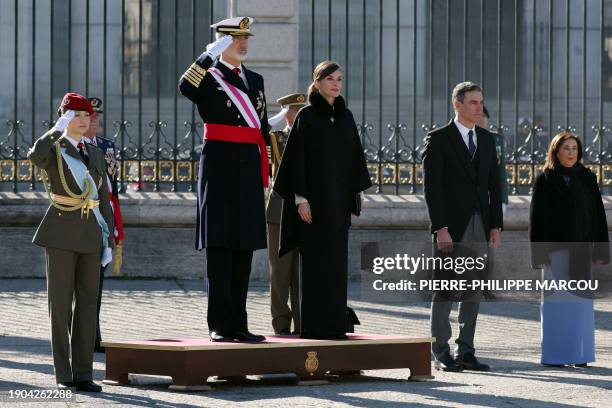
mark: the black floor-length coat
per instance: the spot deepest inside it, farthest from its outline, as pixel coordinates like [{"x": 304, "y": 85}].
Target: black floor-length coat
[{"x": 324, "y": 163}]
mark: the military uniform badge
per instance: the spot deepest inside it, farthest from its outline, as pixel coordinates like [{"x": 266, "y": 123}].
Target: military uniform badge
[
  {"x": 111, "y": 160},
  {"x": 261, "y": 104}
]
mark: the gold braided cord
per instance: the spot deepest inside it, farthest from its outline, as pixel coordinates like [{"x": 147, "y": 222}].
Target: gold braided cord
[
  {"x": 84, "y": 197},
  {"x": 276, "y": 157}
]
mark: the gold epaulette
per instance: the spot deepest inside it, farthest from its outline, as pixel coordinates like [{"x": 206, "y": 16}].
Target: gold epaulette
[{"x": 194, "y": 74}]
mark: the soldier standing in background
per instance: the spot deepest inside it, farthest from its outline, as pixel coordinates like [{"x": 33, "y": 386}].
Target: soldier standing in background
[
  {"x": 285, "y": 270},
  {"x": 108, "y": 150}
]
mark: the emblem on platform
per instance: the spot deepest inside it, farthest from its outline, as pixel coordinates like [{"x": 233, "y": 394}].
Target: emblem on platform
[
  {"x": 312, "y": 362},
  {"x": 301, "y": 98}
]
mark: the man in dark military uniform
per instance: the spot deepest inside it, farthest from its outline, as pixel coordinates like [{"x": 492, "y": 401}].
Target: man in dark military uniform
[
  {"x": 233, "y": 173},
  {"x": 108, "y": 150},
  {"x": 501, "y": 157},
  {"x": 285, "y": 270},
  {"x": 76, "y": 235}
]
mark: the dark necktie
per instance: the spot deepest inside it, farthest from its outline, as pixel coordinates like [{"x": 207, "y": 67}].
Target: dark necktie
[
  {"x": 471, "y": 145},
  {"x": 84, "y": 157},
  {"x": 236, "y": 71}
]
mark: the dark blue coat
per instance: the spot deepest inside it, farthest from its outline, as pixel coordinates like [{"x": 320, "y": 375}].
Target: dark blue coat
[
  {"x": 230, "y": 211},
  {"x": 110, "y": 158}
]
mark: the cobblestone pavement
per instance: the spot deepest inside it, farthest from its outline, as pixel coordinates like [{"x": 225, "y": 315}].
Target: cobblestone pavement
[{"x": 507, "y": 338}]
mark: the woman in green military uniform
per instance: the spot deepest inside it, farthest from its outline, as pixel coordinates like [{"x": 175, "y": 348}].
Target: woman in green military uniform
[{"x": 75, "y": 234}]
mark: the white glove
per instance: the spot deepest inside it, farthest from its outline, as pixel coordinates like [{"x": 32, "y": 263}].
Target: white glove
[
  {"x": 62, "y": 123},
  {"x": 216, "y": 48},
  {"x": 107, "y": 256},
  {"x": 278, "y": 117}
]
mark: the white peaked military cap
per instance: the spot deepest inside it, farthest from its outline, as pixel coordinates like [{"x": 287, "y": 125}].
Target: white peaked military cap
[{"x": 236, "y": 26}]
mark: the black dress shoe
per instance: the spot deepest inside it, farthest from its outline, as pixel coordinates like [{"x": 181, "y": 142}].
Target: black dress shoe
[
  {"x": 65, "y": 385},
  {"x": 247, "y": 336},
  {"x": 554, "y": 365},
  {"x": 285, "y": 332},
  {"x": 447, "y": 363},
  {"x": 581, "y": 365},
  {"x": 87, "y": 386},
  {"x": 469, "y": 362},
  {"x": 216, "y": 336}
]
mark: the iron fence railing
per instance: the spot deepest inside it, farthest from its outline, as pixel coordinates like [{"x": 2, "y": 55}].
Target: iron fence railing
[{"x": 543, "y": 65}]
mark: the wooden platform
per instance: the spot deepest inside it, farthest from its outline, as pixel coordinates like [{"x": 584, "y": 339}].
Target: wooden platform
[{"x": 191, "y": 361}]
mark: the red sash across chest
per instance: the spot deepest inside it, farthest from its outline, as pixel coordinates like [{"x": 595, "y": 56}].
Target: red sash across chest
[{"x": 240, "y": 134}]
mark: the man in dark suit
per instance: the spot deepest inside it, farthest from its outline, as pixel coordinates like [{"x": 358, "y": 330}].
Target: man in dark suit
[
  {"x": 462, "y": 192},
  {"x": 233, "y": 173},
  {"x": 108, "y": 150}
]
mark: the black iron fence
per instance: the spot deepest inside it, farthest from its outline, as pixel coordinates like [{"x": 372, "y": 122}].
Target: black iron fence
[{"x": 544, "y": 65}]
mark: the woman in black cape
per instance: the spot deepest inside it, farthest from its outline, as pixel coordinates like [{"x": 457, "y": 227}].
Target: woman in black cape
[{"x": 321, "y": 176}]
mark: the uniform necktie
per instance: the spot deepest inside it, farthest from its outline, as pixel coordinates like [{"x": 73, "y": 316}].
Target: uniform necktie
[
  {"x": 471, "y": 145},
  {"x": 84, "y": 157},
  {"x": 237, "y": 71}
]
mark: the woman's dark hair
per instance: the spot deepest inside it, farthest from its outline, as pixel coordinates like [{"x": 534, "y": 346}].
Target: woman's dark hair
[
  {"x": 555, "y": 145},
  {"x": 322, "y": 70}
]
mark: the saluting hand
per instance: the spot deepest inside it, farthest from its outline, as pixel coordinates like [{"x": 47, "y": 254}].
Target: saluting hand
[
  {"x": 62, "y": 123},
  {"x": 217, "y": 47},
  {"x": 304, "y": 211}
]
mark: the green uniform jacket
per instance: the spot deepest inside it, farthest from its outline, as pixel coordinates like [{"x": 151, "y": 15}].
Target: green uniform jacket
[
  {"x": 67, "y": 229},
  {"x": 274, "y": 206}
]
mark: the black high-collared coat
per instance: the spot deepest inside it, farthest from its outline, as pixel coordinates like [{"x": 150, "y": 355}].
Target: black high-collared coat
[
  {"x": 552, "y": 213},
  {"x": 230, "y": 211},
  {"x": 324, "y": 163}
]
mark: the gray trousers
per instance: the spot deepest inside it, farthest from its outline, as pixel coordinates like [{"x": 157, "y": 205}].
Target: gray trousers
[
  {"x": 71, "y": 275},
  {"x": 284, "y": 280},
  {"x": 468, "y": 310}
]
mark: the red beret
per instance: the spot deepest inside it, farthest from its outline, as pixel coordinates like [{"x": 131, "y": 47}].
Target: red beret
[{"x": 74, "y": 101}]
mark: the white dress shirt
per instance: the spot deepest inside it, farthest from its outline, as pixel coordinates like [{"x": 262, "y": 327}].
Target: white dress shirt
[
  {"x": 231, "y": 67},
  {"x": 73, "y": 142},
  {"x": 464, "y": 133}
]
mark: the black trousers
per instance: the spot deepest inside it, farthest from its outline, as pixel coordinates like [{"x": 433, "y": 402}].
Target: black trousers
[
  {"x": 228, "y": 272},
  {"x": 98, "y": 335}
]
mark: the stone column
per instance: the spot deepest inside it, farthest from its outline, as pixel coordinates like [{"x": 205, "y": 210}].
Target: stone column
[{"x": 274, "y": 49}]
